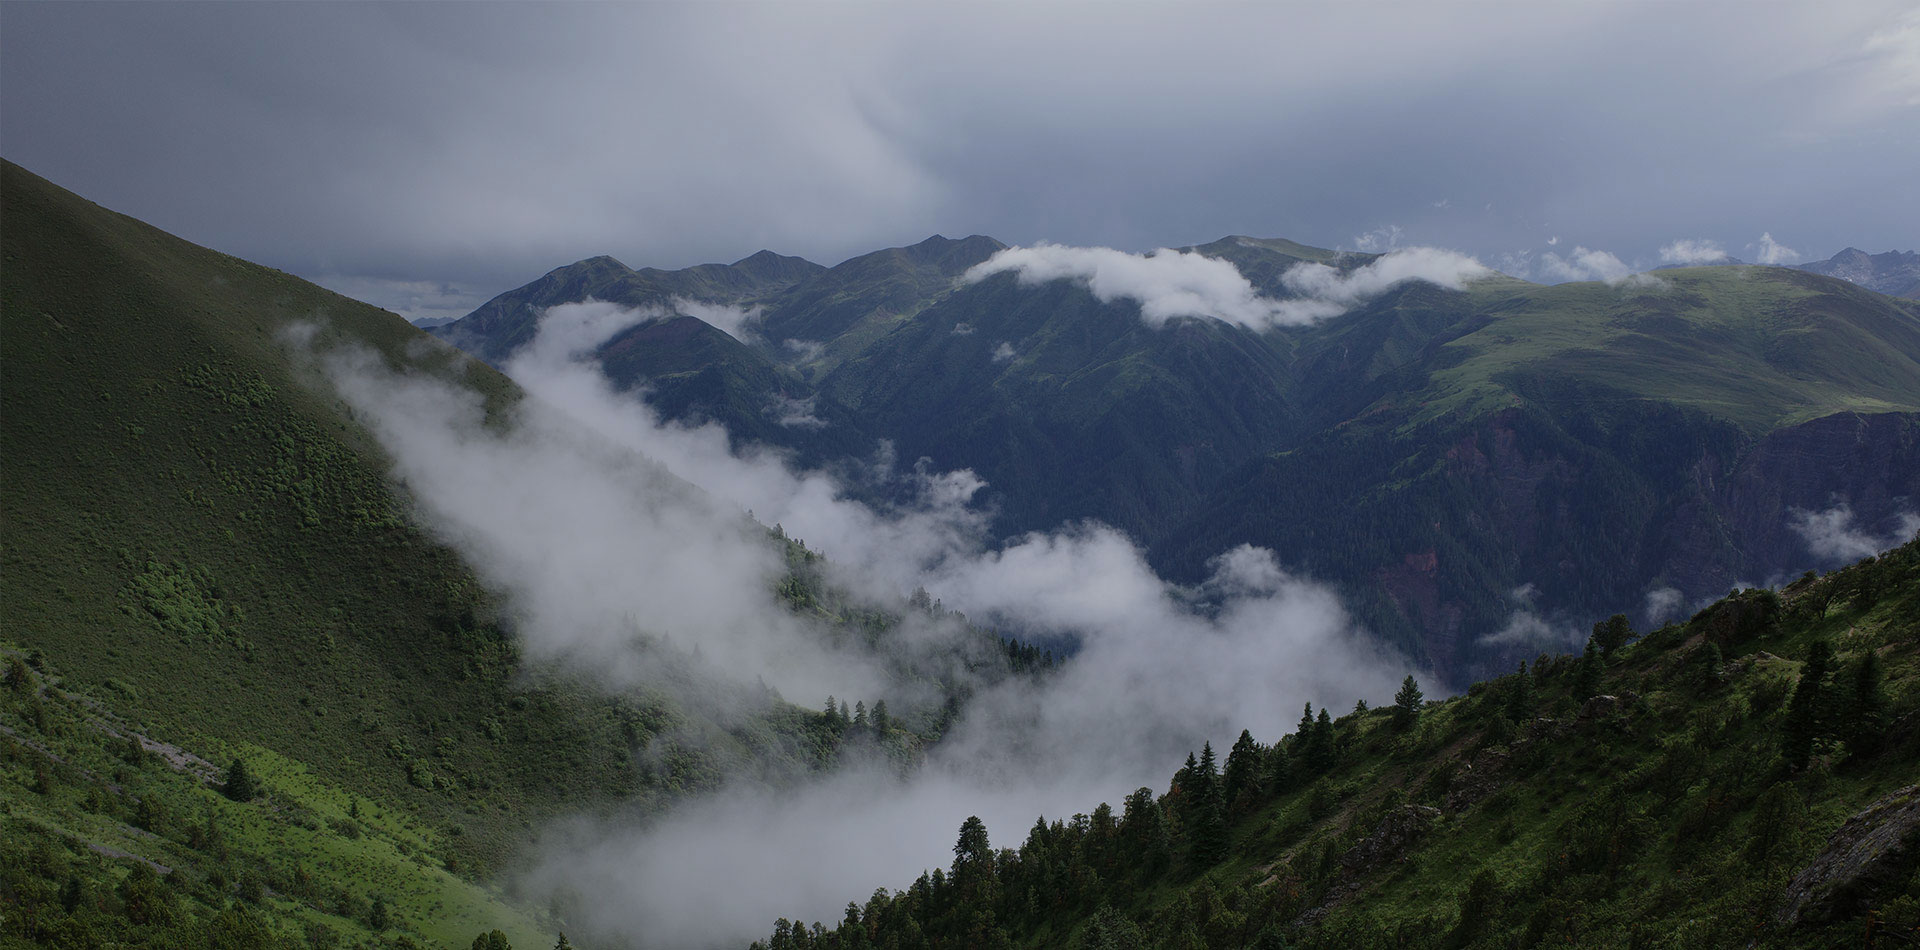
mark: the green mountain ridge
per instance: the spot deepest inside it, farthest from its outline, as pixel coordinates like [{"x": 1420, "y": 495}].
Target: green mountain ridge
[{"x": 1599, "y": 442}]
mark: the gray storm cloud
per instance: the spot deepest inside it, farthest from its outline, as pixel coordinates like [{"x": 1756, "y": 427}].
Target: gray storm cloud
[
  {"x": 1167, "y": 284},
  {"x": 609, "y": 532},
  {"x": 470, "y": 144}
]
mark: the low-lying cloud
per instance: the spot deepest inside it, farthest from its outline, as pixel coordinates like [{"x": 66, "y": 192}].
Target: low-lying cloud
[
  {"x": 1769, "y": 251},
  {"x": 1584, "y": 263},
  {"x": 733, "y": 321},
  {"x": 1693, "y": 251},
  {"x": 621, "y": 547},
  {"x": 1833, "y": 537},
  {"x": 1168, "y": 284}
]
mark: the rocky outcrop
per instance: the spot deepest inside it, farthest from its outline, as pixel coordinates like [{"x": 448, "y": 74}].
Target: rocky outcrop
[
  {"x": 1391, "y": 839},
  {"x": 1867, "y": 860}
]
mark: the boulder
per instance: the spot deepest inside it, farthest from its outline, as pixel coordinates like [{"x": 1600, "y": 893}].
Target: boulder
[{"x": 1868, "y": 859}]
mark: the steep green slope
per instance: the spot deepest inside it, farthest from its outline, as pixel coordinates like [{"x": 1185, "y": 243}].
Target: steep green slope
[
  {"x": 201, "y": 547},
  {"x": 1760, "y": 347},
  {"x": 190, "y": 521},
  {"x": 1725, "y": 782}
]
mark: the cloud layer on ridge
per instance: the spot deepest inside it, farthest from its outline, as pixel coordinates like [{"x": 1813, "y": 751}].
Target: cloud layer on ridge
[{"x": 1167, "y": 284}]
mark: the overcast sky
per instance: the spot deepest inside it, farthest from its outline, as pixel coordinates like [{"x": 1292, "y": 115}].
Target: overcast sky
[{"x": 426, "y": 156}]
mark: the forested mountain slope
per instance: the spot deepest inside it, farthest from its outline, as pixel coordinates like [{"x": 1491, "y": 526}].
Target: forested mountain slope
[
  {"x": 1741, "y": 779},
  {"x": 1431, "y": 451}
]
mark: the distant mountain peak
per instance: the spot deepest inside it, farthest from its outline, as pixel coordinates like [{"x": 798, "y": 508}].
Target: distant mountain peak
[{"x": 1894, "y": 273}]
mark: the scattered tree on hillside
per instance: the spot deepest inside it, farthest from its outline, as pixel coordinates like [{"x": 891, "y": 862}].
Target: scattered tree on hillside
[
  {"x": 19, "y": 678},
  {"x": 1321, "y": 751},
  {"x": 1612, "y": 633},
  {"x": 1807, "y": 713},
  {"x": 494, "y": 940},
  {"x": 1520, "y": 702},
  {"x": 239, "y": 785},
  {"x": 1865, "y": 716},
  {"x": 1586, "y": 679},
  {"x": 1406, "y": 704},
  {"x": 1479, "y": 902}
]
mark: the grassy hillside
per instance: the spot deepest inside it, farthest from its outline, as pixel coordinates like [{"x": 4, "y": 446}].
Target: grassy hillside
[
  {"x": 202, "y": 549},
  {"x": 1760, "y": 347},
  {"x": 1699, "y": 786}
]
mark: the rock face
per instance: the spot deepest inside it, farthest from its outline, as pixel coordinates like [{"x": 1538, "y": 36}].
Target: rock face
[{"x": 1871, "y": 856}]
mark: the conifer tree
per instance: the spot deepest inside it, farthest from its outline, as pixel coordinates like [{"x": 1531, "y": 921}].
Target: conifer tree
[
  {"x": 1143, "y": 834},
  {"x": 1520, "y": 696},
  {"x": 880, "y": 720},
  {"x": 239, "y": 785},
  {"x": 1242, "y": 777},
  {"x": 1406, "y": 704},
  {"x": 860, "y": 715},
  {"x": 1280, "y": 769},
  {"x": 1865, "y": 719},
  {"x": 1807, "y": 717},
  {"x": 973, "y": 861},
  {"x": 1206, "y": 813},
  {"x": 1586, "y": 680},
  {"x": 1321, "y": 751}
]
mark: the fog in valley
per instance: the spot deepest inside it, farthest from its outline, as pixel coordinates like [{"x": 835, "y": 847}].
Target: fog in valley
[{"x": 624, "y": 552}]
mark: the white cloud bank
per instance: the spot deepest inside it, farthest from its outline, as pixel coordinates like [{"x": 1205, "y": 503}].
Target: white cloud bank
[
  {"x": 1832, "y": 536},
  {"x": 580, "y": 507},
  {"x": 1588, "y": 264},
  {"x": 1769, "y": 251},
  {"x": 1167, "y": 284},
  {"x": 1692, "y": 251}
]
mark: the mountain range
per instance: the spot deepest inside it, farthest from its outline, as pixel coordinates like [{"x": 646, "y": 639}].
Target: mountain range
[
  {"x": 1452, "y": 459},
  {"x": 1895, "y": 273},
  {"x": 247, "y": 700}
]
